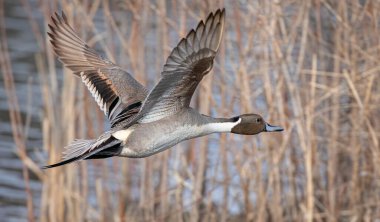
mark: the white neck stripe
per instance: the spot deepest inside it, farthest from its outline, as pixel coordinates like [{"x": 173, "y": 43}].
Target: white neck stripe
[{"x": 222, "y": 127}]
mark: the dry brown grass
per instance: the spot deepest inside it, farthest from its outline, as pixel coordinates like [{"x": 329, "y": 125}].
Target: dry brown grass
[{"x": 310, "y": 66}]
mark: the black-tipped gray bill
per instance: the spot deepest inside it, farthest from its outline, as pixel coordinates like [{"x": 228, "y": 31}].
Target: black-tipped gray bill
[{"x": 270, "y": 128}]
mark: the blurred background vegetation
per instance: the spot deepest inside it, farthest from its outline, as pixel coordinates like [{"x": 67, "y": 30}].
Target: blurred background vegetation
[{"x": 311, "y": 66}]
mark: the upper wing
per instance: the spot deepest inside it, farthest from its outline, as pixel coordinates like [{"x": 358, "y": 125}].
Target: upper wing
[
  {"x": 114, "y": 89},
  {"x": 184, "y": 69}
]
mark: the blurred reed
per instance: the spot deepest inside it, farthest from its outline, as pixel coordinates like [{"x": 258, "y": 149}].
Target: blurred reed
[{"x": 310, "y": 66}]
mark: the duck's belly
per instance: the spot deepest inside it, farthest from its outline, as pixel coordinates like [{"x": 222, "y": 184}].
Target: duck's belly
[{"x": 146, "y": 139}]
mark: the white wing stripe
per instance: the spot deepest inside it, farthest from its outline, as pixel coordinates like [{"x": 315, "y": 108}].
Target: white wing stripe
[{"x": 94, "y": 92}]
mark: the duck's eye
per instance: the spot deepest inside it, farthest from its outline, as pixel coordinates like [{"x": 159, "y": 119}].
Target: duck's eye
[{"x": 258, "y": 120}]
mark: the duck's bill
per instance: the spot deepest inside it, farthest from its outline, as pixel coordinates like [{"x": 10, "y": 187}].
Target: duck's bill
[{"x": 270, "y": 128}]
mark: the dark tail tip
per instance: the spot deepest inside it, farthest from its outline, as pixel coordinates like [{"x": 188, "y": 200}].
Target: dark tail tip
[{"x": 61, "y": 163}]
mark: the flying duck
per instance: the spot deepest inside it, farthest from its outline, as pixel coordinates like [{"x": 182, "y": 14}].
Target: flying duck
[{"x": 144, "y": 123}]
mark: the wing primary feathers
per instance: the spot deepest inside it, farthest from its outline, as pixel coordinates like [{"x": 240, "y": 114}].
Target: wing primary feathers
[
  {"x": 185, "y": 67},
  {"x": 106, "y": 81}
]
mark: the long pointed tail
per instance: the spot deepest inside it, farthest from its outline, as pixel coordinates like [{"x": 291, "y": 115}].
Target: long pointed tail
[{"x": 89, "y": 149}]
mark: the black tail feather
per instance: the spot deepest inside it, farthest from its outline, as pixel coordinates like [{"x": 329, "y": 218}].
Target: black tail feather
[
  {"x": 108, "y": 148},
  {"x": 114, "y": 150},
  {"x": 62, "y": 163}
]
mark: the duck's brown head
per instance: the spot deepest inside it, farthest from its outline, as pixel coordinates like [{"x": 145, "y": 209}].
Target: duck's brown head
[{"x": 250, "y": 124}]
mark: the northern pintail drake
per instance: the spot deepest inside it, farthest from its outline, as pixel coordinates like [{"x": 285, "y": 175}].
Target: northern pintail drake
[{"x": 144, "y": 123}]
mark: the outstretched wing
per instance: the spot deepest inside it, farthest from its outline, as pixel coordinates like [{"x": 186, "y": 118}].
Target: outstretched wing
[
  {"x": 184, "y": 69},
  {"x": 114, "y": 89}
]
